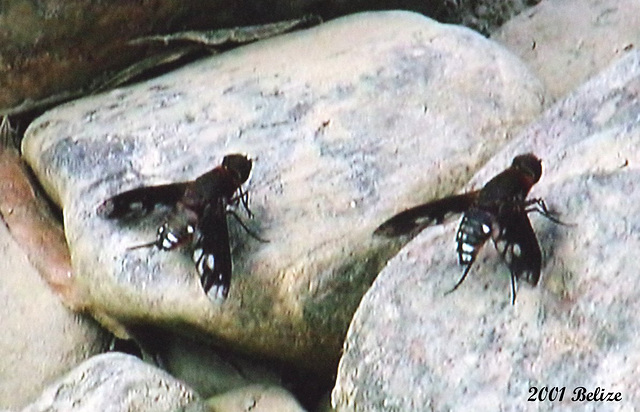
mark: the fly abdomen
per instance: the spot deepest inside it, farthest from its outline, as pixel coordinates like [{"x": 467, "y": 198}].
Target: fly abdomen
[
  {"x": 475, "y": 228},
  {"x": 178, "y": 229},
  {"x": 170, "y": 237}
]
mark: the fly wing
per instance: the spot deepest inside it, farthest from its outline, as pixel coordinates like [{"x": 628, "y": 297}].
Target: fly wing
[
  {"x": 212, "y": 252},
  {"x": 138, "y": 202},
  {"x": 518, "y": 245},
  {"x": 417, "y": 218}
]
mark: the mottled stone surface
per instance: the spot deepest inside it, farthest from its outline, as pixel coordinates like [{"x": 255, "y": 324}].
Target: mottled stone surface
[
  {"x": 255, "y": 398},
  {"x": 566, "y": 42},
  {"x": 343, "y": 133},
  {"x": 206, "y": 371},
  {"x": 485, "y": 16},
  {"x": 116, "y": 382},
  {"x": 40, "y": 338},
  {"x": 411, "y": 348},
  {"x": 57, "y": 50}
]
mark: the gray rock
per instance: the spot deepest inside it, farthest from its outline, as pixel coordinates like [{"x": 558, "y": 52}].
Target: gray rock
[
  {"x": 566, "y": 42},
  {"x": 117, "y": 382},
  {"x": 411, "y": 348},
  {"x": 55, "y": 52},
  {"x": 41, "y": 339},
  {"x": 337, "y": 117},
  {"x": 207, "y": 371},
  {"x": 481, "y": 15},
  {"x": 255, "y": 398}
]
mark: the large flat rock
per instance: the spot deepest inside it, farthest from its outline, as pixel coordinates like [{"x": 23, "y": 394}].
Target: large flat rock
[
  {"x": 410, "y": 347},
  {"x": 347, "y": 122}
]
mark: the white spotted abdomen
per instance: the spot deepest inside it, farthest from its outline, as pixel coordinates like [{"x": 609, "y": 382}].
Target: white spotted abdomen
[{"x": 475, "y": 228}]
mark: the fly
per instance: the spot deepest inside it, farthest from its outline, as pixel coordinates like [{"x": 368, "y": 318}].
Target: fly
[
  {"x": 498, "y": 211},
  {"x": 198, "y": 218}
]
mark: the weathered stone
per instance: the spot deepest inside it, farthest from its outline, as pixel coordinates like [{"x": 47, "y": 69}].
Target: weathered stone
[
  {"x": 40, "y": 339},
  {"x": 207, "y": 371},
  {"x": 255, "y": 398},
  {"x": 29, "y": 219},
  {"x": 337, "y": 127},
  {"x": 54, "y": 51},
  {"x": 566, "y": 42},
  {"x": 482, "y": 15},
  {"x": 117, "y": 382},
  {"x": 411, "y": 348}
]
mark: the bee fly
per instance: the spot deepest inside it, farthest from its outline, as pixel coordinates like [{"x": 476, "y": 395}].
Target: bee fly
[
  {"x": 198, "y": 217},
  {"x": 498, "y": 211}
]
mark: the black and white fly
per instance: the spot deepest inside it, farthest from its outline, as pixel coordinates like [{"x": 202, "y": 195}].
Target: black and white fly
[
  {"x": 198, "y": 218},
  {"x": 498, "y": 211}
]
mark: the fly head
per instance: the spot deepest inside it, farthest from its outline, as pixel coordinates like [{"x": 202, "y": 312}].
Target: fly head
[
  {"x": 528, "y": 164},
  {"x": 238, "y": 164}
]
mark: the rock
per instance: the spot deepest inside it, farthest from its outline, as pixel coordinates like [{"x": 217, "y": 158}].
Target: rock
[
  {"x": 409, "y": 347},
  {"x": 117, "y": 382},
  {"x": 481, "y": 15},
  {"x": 36, "y": 231},
  {"x": 78, "y": 46},
  {"x": 207, "y": 371},
  {"x": 325, "y": 404},
  {"x": 255, "y": 398},
  {"x": 53, "y": 52},
  {"x": 40, "y": 339},
  {"x": 566, "y": 42},
  {"x": 343, "y": 133}
]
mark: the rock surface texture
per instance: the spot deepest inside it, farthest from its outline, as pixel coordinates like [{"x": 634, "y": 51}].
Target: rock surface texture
[
  {"x": 41, "y": 339},
  {"x": 566, "y": 42},
  {"x": 344, "y": 132},
  {"x": 55, "y": 51},
  {"x": 348, "y": 123},
  {"x": 411, "y": 348},
  {"x": 258, "y": 398},
  {"x": 116, "y": 382}
]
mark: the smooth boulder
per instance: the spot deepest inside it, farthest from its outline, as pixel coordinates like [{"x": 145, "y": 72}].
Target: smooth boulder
[
  {"x": 343, "y": 133},
  {"x": 412, "y": 347}
]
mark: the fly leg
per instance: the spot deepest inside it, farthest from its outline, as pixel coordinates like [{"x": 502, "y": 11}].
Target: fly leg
[
  {"x": 244, "y": 226},
  {"x": 243, "y": 198},
  {"x": 538, "y": 205},
  {"x": 464, "y": 275}
]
